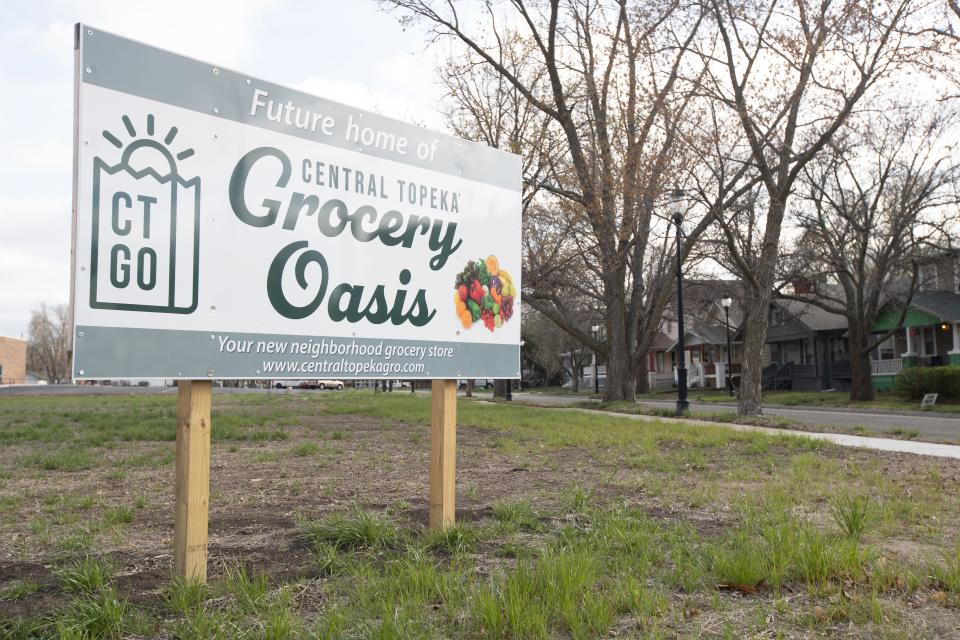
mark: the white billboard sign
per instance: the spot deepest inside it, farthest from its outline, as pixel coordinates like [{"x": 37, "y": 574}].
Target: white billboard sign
[{"x": 229, "y": 227}]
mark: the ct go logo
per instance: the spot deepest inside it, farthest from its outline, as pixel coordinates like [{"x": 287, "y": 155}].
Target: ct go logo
[{"x": 146, "y": 226}]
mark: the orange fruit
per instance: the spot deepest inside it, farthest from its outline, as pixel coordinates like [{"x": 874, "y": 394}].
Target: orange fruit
[
  {"x": 466, "y": 319},
  {"x": 493, "y": 266}
]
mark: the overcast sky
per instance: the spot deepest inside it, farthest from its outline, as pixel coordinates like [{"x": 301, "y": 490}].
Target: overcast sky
[{"x": 349, "y": 51}]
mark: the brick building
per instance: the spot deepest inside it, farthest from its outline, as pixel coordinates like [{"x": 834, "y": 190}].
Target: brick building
[{"x": 13, "y": 361}]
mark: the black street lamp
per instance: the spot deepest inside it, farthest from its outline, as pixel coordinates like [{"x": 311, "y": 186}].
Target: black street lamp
[
  {"x": 676, "y": 210},
  {"x": 726, "y": 302},
  {"x": 596, "y": 381}
]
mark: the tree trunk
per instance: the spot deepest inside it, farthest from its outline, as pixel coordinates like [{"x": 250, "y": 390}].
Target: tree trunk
[
  {"x": 754, "y": 342},
  {"x": 861, "y": 377},
  {"x": 642, "y": 377},
  {"x": 620, "y": 380},
  {"x": 755, "y": 329},
  {"x": 469, "y": 393}
]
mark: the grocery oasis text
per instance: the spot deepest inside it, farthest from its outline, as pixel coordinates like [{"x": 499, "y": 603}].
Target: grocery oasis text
[{"x": 300, "y": 212}]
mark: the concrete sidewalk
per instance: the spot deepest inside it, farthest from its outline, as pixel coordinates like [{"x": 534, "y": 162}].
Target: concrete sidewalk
[
  {"x": 928, "y": 425},
  {"x": 844, "y": 440}
]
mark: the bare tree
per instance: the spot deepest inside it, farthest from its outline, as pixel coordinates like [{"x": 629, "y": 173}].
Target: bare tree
[
  {"x": 606, "y": 79},
  {"x": 49, "y": 333},
  {"x": 790, "y": 74},
  {"x": 874, "y": 200},
  {"x": 552, "y": 349}
]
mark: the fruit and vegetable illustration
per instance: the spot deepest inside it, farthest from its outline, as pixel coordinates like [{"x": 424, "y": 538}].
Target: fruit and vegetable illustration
[{"x": 484, "y": 292}]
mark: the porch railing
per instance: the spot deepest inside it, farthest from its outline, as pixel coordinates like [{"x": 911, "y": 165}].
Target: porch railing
[{"x": 886, "y": 367}]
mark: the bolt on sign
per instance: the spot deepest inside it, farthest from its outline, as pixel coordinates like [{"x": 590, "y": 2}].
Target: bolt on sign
[{"x": 230, "y": 227}]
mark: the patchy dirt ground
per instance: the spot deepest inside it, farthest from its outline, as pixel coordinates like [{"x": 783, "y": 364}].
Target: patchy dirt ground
[{"x": 262, "y": 490}]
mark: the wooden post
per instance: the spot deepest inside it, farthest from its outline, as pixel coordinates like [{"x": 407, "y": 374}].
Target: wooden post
[
  {"x": 193, "y": 480},
  {"x": 443, "y": 453}
]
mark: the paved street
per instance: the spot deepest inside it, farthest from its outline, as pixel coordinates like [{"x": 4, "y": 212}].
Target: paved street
[{"x": 928, "y": 425}]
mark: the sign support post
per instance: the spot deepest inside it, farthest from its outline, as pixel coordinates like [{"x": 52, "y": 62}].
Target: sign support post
[
  {"x": 443, "y": 453},
  {"x": 192, "y": 480}
]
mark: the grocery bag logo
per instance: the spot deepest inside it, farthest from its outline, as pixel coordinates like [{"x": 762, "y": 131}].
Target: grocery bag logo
[{"x": 145, "y": 246}]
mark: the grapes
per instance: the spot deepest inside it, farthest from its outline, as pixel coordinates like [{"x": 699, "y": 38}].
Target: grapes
[
  {"x": 487, "y": 318},
  {"x": 506, "y": 307}
]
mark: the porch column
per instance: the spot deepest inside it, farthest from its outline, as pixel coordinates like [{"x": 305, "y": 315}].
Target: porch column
[
  {"x": 955, "y": 352},
  {"x": 910, "y": 357}
]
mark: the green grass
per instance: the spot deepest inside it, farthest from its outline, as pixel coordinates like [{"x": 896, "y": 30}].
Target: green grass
[
  {"x": 517, "y": 515},
  {"x": 86, "y": 575},
  {"x": 604, "y": 526},
  {"x": 559, "y": 391},
  {"x": 248, "y": 588},
  {"x": 357, "y": 530},
  {"x": 183, "y": 596},
  {"x": 92, "y": 421},
  {"x": 850, "y": 515},
  {"x": 305, "y": 449},
  {"x": 883, "y": 400},
  {"x": 118, "y": 515},
  {"x": 62, "y": 460},
  {"x": 101, "y": 615},
  {"x": 527, "y": 428},
  {"x": 461, "y": 537},
  {"x": 18, "y": 589}
]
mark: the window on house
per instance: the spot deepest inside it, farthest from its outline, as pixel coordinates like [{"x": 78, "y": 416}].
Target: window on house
[
  {"x": 885, "y": 350},
  {"x": 956, "y": 274},
  {"x": 888, "y": 348},
  {"x": 928, "y": 337},
  {"x": 927, "y": 278},
  {"x": 776, "y": 316},
  {"x": 660, "y": 361}
]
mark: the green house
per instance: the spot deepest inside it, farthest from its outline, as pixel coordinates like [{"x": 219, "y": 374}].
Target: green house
[{"x": 930, "y": 335}]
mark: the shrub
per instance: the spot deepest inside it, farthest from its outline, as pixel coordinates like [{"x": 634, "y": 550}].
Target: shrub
[{"x": 915, "y": 382}]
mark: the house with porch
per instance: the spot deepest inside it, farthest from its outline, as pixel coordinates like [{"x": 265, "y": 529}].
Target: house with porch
[
  {"x": 930, "y": 335},
  {"x": 806, "y": 348},
  {"x": 705, "y": 348},
  {"x": 705, "y": 335}
]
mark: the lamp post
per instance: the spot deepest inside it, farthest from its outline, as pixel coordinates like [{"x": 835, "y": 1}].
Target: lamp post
[
  {"x": 726, "y": 302},
  {"x": 676, "y": 211},
  {"x": 596, "y": 381}
]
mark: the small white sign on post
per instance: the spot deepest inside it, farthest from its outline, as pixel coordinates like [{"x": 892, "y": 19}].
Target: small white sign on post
[{"x": 929, "y": 399}]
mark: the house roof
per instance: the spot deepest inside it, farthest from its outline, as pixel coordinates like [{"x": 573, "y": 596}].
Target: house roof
[
  {"x": 943, "y": 304},
  {"x": 701, "y": 334},
  {"x": 662, "y": 342},
  {"x": 812, "y": 316}
]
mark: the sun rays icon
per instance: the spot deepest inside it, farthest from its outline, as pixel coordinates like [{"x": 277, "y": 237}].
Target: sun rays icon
[
  {"x": 145, "y": 247},
  {"x": 148, "y": 143}
]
